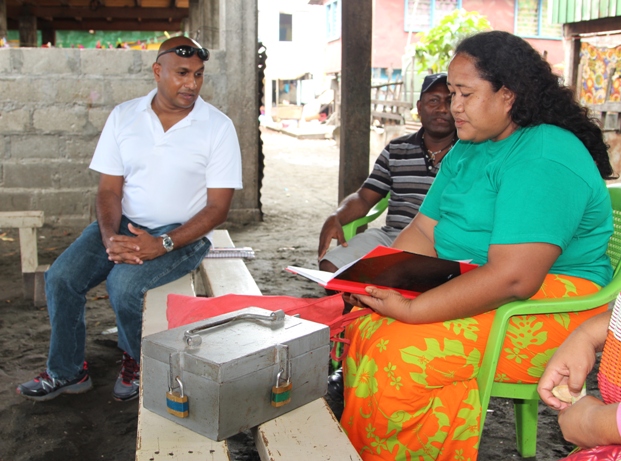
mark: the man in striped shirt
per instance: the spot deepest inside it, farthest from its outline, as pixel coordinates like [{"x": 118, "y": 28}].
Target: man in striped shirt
[{"x": 406, "y": 168}]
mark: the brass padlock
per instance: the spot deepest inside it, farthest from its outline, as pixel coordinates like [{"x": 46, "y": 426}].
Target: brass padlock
[
  {"x": 176, "y": 402},
  {"x": 281, "y": 394}
]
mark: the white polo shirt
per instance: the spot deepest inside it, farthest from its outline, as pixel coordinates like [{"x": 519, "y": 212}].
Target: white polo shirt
[{"x": 167, "y": 174}]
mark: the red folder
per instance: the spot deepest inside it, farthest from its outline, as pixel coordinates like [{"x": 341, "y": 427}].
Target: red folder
[{"x": 408, "y": 273}]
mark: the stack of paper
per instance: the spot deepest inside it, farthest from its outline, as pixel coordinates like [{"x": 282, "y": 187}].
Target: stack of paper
[{"x": 231, "y": 252}]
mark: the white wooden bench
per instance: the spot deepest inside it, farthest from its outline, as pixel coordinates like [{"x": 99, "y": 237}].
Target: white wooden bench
[
  {"x": 32, "y": 274},
  {"x": 308, "y": 432}
]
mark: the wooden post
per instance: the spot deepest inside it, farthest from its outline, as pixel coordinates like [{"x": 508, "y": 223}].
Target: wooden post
[
  {"x": 356, "y": 33},
  {"x": 27, "y": 28},
  {"x": 48, "y": 34},
  {"x": 4, "y": 31}
]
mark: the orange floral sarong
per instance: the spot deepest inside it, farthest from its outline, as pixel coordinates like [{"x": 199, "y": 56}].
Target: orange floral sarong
[{"x": 411, "y": 390}]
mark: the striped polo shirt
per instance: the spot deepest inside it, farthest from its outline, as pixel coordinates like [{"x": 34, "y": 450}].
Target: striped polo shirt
[{"x": 407, "y": 173}]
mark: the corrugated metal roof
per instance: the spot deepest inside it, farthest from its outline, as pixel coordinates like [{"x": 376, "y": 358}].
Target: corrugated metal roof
[{"x": 564, "y": 11}]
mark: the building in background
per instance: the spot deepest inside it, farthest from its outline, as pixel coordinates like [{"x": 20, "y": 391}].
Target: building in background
[
  {"x": 396, "y": 22},
  {"x": 292, "y": 32}
]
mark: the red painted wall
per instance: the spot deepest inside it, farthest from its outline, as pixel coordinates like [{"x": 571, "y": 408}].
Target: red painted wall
[{"x": 389, "y": 36}]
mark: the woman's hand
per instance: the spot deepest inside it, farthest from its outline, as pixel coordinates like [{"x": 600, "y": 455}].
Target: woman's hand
[
  {"x": 570, "y": 365},
  {"x": 573, "y": 360},
  {"x": 388, "y": 303},
  {"x": 589, "y": 423}
]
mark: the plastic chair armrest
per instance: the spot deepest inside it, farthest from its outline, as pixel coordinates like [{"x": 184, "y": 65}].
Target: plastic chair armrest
[{"x": 350, "y": 229}]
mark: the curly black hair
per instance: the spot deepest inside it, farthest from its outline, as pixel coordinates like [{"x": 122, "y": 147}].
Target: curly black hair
[{"x": 506, "y": 60}]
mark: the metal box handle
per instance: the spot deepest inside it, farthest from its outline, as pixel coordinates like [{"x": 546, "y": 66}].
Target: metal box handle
[{"x": 193, "y": 338}]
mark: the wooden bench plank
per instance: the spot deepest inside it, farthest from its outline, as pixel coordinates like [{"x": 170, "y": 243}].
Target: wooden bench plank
[
  {"x": 154, "y": 310},
  {"x": 21, "y": 219},
  {"x": 384, "y": 102},
  {"x": 387, "y": 115},
  {"x": 28, "y": 248},
  {"x": 159, "y": 438},
  {"x": 308, "y": 432},
  {"x": 27, "y": 222}
]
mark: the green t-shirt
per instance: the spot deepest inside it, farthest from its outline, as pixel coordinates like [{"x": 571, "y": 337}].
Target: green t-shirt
[{"x": 538, "y": 185}]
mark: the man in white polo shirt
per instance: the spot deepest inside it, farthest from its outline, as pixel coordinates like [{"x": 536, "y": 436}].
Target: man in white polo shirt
[{"x": 169, "y": 164}]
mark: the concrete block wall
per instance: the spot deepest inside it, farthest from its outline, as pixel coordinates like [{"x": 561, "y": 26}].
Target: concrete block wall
[{"x": 53, "y": 106}]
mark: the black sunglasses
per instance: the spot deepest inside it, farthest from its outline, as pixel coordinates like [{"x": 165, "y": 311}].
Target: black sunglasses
[{"x": 187, "y": 51}]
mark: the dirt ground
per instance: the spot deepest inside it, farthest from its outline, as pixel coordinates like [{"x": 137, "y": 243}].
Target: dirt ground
[{"x": 299, "y": 191}]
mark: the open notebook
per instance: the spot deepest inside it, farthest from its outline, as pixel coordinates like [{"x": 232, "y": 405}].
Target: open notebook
[{"x": 383, "y": 267}]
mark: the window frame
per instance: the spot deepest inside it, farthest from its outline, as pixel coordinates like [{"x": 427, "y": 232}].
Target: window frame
[
  {"x": 539, "y": 18},
  {"x": 280, "y": 26},
  {"x": 432, "y": 13},
  {"x": 333, "y": 7}
]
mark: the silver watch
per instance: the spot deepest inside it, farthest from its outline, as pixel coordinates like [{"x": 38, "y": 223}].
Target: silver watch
[{"x": 167, "y": 242}]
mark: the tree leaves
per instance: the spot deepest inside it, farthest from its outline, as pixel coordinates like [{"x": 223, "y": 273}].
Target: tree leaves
[{"x": 435, "y": 47}]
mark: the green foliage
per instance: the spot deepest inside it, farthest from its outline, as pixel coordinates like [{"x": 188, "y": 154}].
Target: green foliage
[{"x": 435, "y": 47}]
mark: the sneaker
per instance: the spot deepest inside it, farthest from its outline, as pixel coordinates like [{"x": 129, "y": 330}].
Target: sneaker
[
  {"x": 127, "y": 384},
  {"x": 44, "y": 387}
]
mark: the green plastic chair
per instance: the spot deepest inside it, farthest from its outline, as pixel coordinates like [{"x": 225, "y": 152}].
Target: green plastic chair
[
  {"x": 351, "y": 229},
  {"x": 525, "y": 397}
]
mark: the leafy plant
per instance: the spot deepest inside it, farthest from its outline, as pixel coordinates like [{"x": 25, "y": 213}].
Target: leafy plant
[{"x": 434, "y": 48}]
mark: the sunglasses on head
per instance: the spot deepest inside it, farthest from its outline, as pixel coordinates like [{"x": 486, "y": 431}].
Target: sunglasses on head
[{"x": 187, "y": 51}]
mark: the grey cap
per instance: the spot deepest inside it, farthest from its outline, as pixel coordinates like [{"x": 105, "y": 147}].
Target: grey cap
[{"x": 431, "y": 80}]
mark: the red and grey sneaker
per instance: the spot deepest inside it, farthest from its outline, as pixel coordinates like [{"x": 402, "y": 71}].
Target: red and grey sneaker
[
  {"x": 127, "y": 384},
  {"x": 44, "y": 387}
]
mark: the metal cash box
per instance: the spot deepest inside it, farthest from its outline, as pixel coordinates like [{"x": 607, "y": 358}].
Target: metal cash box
[{"x": 227, "y": 374}]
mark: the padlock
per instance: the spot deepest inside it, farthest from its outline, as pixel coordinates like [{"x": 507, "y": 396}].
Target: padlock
[
  {"x": 281, "y": 394},
  {"x": 176, "y": 402}
]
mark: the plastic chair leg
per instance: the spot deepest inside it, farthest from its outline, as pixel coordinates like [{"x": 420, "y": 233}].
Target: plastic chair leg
[{"x": 526, "y": 414}]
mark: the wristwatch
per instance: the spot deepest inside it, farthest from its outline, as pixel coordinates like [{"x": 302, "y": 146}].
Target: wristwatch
[{"x": 167, "y": 242}]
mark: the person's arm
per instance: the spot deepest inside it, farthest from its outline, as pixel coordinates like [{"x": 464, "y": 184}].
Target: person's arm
[
  {"x": 574, "y": 359},
  {"x": 417, "y": 237},
  {"x": 108, "y": 208},
  {"x": 351, "y": 208},
  {"x": 513, "y": 272},
  {"x": 590, "y": 422},
  {"x": 213, "y": 214},
  {"x": 108, "y": 205}
]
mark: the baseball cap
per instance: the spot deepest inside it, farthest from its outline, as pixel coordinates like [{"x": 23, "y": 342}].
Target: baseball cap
[{"x": 432, "y": 79}]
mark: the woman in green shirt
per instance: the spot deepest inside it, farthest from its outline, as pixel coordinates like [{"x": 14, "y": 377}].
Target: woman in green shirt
[{"x": 522, "y": 195}]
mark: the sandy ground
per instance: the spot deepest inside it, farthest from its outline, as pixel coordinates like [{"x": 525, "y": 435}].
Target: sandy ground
[{"x": 300, "y": 190}]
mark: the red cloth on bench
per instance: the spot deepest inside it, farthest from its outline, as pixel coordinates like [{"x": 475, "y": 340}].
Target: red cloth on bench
[{"x": 182, "y": 310}]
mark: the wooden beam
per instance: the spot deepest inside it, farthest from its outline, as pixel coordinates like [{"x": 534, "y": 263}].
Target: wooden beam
[
  {"x": 3, "y": 20},
  {"x": 103, "y": 24},
  {"x": 102, "y": 12},
  {"x": 591, "y": 27},
  {"x": 355, "y": 130},
  {"x": 27, "y": 28}
]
